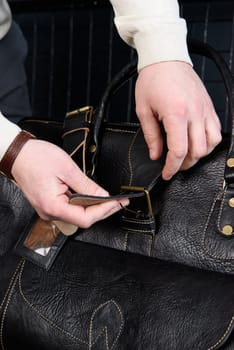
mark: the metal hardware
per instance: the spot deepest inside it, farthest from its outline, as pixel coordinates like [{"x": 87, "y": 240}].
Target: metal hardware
[
  {"x": 231, "y": 202},
  {"x": 227, "y": 230},
  {"x": 92, "y": 148},
  {"x": 230, "y": 162},
  {"x": 87, "y": 109},
  {"x": 140, "y": 189}
]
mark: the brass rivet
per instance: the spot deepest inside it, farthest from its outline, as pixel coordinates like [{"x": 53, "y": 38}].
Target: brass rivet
[
  {"x": 230, "y": 162},
  {"x": 227, "y": 230},
  {"x": 231, "y": 202},
  {"x": 92, "y": 148}
]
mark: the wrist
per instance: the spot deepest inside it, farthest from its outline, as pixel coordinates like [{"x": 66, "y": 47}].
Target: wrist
[{"x": 12, "y": 152}]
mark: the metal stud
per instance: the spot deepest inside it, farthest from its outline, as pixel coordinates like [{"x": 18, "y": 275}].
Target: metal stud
[
  {"x": 227, "y": 230},
  {"x": 230, "y": 162},
  {"x": 92, "y": 148},
  {"x": 231, "y": 202}
]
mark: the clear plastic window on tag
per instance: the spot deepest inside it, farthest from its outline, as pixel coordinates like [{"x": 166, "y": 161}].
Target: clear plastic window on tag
[{"x": 40, "y": 242}]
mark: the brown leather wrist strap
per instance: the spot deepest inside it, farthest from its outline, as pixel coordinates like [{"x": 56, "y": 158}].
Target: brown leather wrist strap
[{"x": 12, "y": 152}]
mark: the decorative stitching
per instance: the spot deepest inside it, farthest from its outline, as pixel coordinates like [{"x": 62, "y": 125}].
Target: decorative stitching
[
  {"x": 136, "y": 221},
  {"x": 9, "y": 287},
  {"x": 221, "y": 207},
  {"x": 8, "y": 297},
  {"x": 129, "y": 156},
  {"x": 73, "y": 131},
  {"x": 125, "y": 242},
  {"x": 215, "y": 256},
  {"x": 77, "y": 148},
  {"x": 84, "y": 151},
  {"x": 137, "y": 231},
  {"x": 40, "y": 313},
  {"x": 120, "y": 130},
  {"x": 223, "y": 336},
  {"x": 105, "y": 328}
]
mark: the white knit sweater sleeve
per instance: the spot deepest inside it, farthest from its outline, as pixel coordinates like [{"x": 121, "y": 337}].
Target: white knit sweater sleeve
[
  {"x": 154, "y": 28},
  {"x": 5, "y": 18}
]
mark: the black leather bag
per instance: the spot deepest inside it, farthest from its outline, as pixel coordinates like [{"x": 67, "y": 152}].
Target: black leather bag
[
  {"x": 97, "y": 298},
  {"x": 189, "y": 219}
]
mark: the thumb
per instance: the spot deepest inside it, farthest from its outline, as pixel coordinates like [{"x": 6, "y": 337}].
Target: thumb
[{"x": 79, "y": 182}]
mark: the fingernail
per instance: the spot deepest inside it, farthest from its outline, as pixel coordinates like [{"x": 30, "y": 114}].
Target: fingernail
[
  {"x": 124, "y": 202},
  {"x": 152, "y": 154},
  {"x": 101, "y": 192}
]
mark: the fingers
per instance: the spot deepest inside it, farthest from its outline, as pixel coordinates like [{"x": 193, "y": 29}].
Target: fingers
[
  {"x": 173, "y": 95},
  {"x": 79, "y": 182},
  {"x": 213, "y": 132},
  {"x": 45, "y": 173},
  {"x": 152, "y": 132},
  {"x": 188, "y": 140},
  {"x": 78, "y": 215},
  {"x": 177, "y": 143},
  {"x": 190, "y": 144},
  {"x": 86, "y": 216}
]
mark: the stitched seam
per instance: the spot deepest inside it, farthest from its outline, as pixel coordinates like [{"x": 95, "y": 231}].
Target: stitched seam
[
  {"x": 129, "y": 157},
  {"x": 11, "y": 289},
  {"x": 204, "y": 233},
  {"x": 121, "y": 130},
  {"x": 10, "y": 283},
  {"x": 221, "y": 208},
  {"x": 42, "y": 121},
  {"x": 137, "y": 231},
  {"x": 84, "y": 151},
  {"x": 103, "y": 330},
  {"x": 91, "y": 324},
  {"x": 77, "y": 148},
  {"x": 125, "y": 241},
  {"x": 223, "y": 336},
  {"x": 145, "y": 222},
  {"x": 73, "y": 131},
  {"x": 130, "y": 163},
  {"x": 40, "y": 314},
  {"x": 153, "y": 182}
]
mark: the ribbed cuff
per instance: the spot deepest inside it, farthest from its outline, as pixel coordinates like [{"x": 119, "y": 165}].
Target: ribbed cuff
[
  {"x": 167, "y": 43},
  {"x": 155, "y": 40}
]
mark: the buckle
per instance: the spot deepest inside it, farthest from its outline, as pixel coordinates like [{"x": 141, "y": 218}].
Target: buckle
[
  {"x": 88, "y": 110},
  {"x": 146, "y": 193}
]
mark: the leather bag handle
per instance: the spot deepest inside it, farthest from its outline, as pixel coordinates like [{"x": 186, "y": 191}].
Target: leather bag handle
[{"x": 195, "y": 47}]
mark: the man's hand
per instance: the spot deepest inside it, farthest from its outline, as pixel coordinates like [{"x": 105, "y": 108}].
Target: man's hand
[
  {"x": 171, "y": 93},
  {"x": 46, "y": 173}
]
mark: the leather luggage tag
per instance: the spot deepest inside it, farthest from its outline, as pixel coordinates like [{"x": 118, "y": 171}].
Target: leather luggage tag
[
  {"x": 41, "y": 241},
  {"x": 86, "y": 201}
]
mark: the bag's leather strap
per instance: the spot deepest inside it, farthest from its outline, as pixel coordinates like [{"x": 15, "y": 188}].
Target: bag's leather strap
[{"x": 148, "y": 176}]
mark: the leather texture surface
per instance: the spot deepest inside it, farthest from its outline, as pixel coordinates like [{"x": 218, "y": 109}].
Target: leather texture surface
[
  {"x": 102, "y": 299},
  {"x": 189, "y": 212},
  {"x": 95, "y": 297}
]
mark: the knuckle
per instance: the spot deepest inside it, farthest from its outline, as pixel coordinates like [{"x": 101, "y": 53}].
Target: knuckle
[
  {"x": 141, "y": 111},
  {"x": 48, "y": 211},
  {"x": 180, "y": 111},
  {"x": 71, "y": 168},
  {"x": 215, "y": 140},
  {"x": 85, "y": 223},
  {"x": 180, "y": 153},
  {"x": 198, "y": 153}
]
